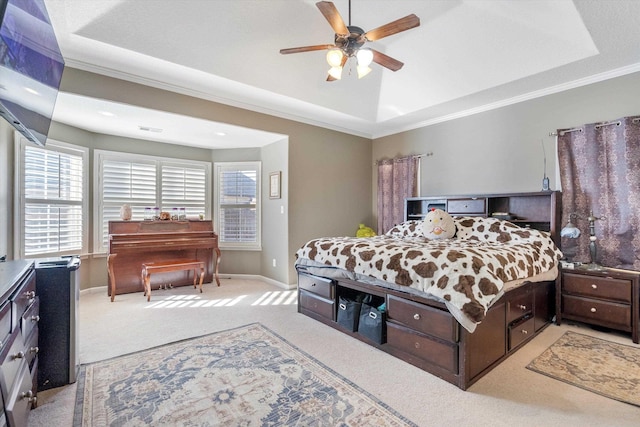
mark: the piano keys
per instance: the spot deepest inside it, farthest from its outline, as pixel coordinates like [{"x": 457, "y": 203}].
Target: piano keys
[{"x": 132, "y": 243}]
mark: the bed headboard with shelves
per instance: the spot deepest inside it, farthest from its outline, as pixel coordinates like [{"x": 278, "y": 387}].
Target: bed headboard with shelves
[{"x": 539, "y": 210}]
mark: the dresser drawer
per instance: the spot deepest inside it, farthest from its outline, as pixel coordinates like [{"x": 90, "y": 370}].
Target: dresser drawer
[
  {"x": 422, "y": 318},
  {"x": 20, "y": 398},
  {"x": 5, "y": 323},
  {"x": 11, "y": 357},
  {"x": 466, "y": 206},
  {"x": 318, "y": 285},
  {"x": 596, "y": 311},
  {"x": 520, "y": 332},
  {"x": 422, "y": 346},
  {"x": 312, "y": 302},
  {"x": 519, "y": 306},
  {"x": 597, "y": 287},
  {"x": 24, "y": 296},
  {"x": 30, "y": 319}
]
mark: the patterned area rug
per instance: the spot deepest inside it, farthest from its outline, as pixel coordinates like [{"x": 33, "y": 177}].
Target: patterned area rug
[
  {"x": 247, "y": 376},
  {"x": 603, "y": 367}
]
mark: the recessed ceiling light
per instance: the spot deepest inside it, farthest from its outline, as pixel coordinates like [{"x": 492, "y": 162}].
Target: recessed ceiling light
[
  {"x": 33, "y": 91},
  {"x": 149, "y": 129},
  {"x": 107, "y": 113},
  {"x": 221, "y": 134}
]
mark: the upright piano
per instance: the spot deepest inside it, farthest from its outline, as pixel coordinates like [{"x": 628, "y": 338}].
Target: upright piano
[{"x": 133, "y": 243}]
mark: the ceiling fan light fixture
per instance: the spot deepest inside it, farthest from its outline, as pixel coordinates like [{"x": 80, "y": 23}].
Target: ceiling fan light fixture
[
  {"x": 365, "y": 56},
  {"x": 334, "y": 57},
  {"x": 363, "y": 70},
  {"x": 336, "y": 72}
]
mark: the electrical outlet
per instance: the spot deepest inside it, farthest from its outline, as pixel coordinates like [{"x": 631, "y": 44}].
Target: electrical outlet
[{"x": 274, "y": 262}]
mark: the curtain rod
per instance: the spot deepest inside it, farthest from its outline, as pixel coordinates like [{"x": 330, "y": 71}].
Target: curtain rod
[
  {"x": 598, "y": 126},
  {"x": 416, "y": 156}
]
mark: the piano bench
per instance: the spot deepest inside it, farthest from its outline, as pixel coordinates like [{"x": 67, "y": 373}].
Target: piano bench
[{"x": 166, "y": 266}]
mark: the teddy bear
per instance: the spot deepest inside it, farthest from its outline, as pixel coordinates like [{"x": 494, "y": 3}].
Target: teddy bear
[{"x": 438, "y": 224}]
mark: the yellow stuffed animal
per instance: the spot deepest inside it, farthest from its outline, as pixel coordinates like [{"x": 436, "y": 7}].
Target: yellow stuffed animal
[{"x": 364, "y": 231}]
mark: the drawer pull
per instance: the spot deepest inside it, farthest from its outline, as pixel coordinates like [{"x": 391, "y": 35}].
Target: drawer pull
[
  {"x": 416, "y": 316},
  {"x": 18, "y": 355},
  {"x": 416, "y": 345},
  {"x": 594, "y": 286},
  {"x": 30, "y": 294},
  {"x": 524, "y": 332},
  {"x": 34, "y": 350},
  {"x": 35, "y": 318},
  {"x": 522, "y": 307},
  {"x": 29, "y": 396},
  {"x": 593, "y": 309}
]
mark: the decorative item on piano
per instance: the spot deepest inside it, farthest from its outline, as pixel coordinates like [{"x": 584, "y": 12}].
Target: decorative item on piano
[
  {"x": 125, "y": 212},
  {"x": 165, "y": 216}
]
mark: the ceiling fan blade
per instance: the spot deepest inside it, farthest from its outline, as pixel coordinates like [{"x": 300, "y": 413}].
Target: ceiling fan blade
[
  {"x": 330, "y": 78},
  {"x": 332, "y": 15},
  {"x": 306, "y": 48},
  {"x": 402, "y": 24},
  {"x": 386, "y": 61}
]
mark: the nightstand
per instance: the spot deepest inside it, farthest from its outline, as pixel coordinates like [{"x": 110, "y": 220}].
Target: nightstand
[{"x": 608, "y": 298}]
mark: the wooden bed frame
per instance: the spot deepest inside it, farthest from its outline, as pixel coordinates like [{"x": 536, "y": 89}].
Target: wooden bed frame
[{"x": 421, "y": 331}]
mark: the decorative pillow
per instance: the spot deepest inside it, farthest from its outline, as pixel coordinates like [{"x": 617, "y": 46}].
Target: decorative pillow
[
  {"x": 411, "y": 228},
  {"x": 438, "y": 225}
]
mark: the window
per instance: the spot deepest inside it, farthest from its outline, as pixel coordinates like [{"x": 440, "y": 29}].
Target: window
[
  {"x": 146, "y": 182},
  {"x": 237, "y": 209},
  {"x": 52, "y": 208}
]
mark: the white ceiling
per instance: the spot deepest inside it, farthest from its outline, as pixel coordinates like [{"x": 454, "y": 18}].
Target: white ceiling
[{"x": 466, "y": 56}]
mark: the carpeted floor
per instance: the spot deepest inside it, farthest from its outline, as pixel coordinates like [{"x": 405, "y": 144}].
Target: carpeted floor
[
  {"x": 510, "y": 395},
  {"x": 600, "y": 366},
  {"x": 245, "y": 376}
]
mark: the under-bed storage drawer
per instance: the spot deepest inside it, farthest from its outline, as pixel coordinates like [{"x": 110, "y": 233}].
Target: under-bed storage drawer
[
  {"x": 323, "y": 307},
  {"x": 318, "y": 285},
  {"x": 434, "y": 351},
  {"x": 520, "y": 332},
  {"x": 422, "y": 318},
  {"x": 471, "y": 206},
  {"x": 519, "y": 306}
]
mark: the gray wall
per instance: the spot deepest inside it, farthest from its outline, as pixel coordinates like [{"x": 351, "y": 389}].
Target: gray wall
[
  {"x": 501, "y": 150},
  {"x": 326, "y": 175},
  {"x": 328, "y": 178}
]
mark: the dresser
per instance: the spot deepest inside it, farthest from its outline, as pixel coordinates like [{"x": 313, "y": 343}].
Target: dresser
[
  {"x": 19, "y": 316},
  {"x": 609, "y": 298}
]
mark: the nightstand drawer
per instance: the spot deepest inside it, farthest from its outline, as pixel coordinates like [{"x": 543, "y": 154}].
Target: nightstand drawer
[
  {"x": 596, "y": 311},
  {"x": 597, "y": 287}
]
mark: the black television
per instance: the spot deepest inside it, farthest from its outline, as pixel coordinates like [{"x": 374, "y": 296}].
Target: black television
[{"x": 31, "y": 67}]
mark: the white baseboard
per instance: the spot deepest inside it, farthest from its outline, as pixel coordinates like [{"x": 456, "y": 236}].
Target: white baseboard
[{"x": 98, "y": 289}]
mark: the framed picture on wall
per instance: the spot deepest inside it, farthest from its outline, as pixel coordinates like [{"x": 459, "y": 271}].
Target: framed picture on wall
[{"x": 274, "y": 185}]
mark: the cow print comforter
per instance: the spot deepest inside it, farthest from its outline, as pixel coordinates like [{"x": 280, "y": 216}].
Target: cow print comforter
[{"x": 466, "y": 272}]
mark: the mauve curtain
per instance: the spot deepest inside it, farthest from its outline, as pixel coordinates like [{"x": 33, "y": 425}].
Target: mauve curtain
[
  {"x": 600, "y": 172},
  {"x": 397, "y": 180}
]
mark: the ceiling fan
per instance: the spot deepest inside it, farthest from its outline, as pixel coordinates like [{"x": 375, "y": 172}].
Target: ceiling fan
[{"x": 349, "y": 40}]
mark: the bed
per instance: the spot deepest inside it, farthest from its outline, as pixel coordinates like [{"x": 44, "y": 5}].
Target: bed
[{"x": 456, "y": 307}]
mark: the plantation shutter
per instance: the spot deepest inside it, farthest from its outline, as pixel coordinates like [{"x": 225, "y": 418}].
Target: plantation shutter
[
  {"x": 53, "y": 183},
  {"x": 133, "y": 183},
  {"x": 184, "y": 187}
]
